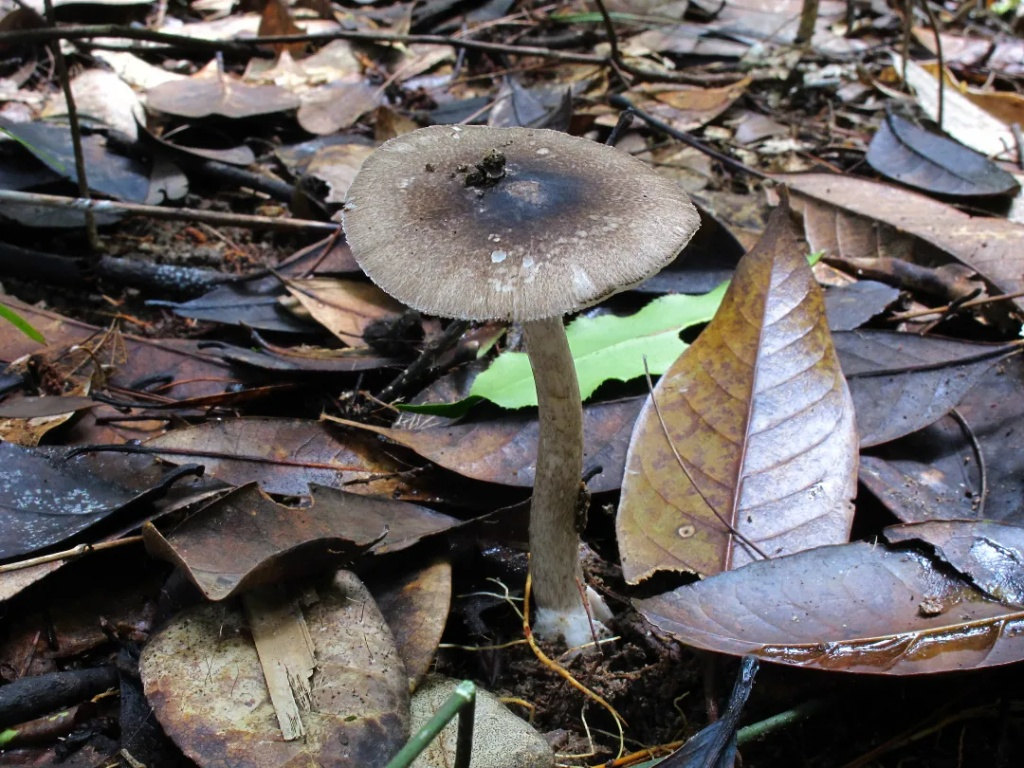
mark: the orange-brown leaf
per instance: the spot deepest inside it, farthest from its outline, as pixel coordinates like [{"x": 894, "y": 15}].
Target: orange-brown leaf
[{"x": 760, "y": 415}]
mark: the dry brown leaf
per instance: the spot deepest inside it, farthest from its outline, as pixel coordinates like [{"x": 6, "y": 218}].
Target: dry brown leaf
[
  {"x": 346, "y": 308},
  {"x": 759, "y": 413},
  {"x": 333, "y": 107},
  {"x": 212, "y": 92}
]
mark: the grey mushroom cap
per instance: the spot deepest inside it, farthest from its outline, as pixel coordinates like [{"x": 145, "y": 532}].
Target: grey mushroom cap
[{"x": 562, "y": 224}]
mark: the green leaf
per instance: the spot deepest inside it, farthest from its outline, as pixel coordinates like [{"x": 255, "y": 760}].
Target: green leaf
[
  {"x": 606, "y": 347},
  {"x": 21, "y": 324}
]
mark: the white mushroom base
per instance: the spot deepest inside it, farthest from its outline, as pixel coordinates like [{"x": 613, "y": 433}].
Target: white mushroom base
[{"x": 574, "y": 626}]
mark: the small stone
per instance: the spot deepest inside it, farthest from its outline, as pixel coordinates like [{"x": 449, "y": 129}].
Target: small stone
[{"x": 500, "y": 739}]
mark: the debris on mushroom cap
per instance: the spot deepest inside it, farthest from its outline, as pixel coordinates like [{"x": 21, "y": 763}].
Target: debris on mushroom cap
[{"x": 510, "y": 223}]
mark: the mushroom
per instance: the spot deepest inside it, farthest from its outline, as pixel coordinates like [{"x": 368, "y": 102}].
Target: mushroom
[{"x": 524, "y": 225}]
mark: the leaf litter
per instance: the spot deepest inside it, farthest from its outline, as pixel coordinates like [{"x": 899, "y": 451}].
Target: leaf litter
[{"x": 214, "y": 345}]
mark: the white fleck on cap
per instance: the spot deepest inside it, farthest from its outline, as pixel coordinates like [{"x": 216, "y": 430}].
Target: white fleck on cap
[{"x": 565, "y": 223}]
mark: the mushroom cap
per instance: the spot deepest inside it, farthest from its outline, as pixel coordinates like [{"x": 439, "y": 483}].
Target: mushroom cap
[{"x": 569, "y": 223}]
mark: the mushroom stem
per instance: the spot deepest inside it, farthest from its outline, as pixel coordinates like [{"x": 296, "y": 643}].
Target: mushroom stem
[{"x": 554, "y": 541}]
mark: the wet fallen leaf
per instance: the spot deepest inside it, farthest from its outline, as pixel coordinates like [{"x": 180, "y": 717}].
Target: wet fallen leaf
[
  {"x": 202, "y": 676},
  {"x": 902, "y": 382},
  {"x": 415, "y": 603},
  {"x": 859, "y": 607},
  {"x": 987, "y": 245},
  {"x": 175, "y": 368},
  {"x": 989, "y": 554},
  {"x": 211, "y": 91},
  {"x": 25, "y": 420},
  {"x": 759, "y": 413},
  {"x": 933, "y": 163},
  {"x": 246, "y": 540},
  {"x": 45, "y": 498},
  {"x": 505, "y": 450}
]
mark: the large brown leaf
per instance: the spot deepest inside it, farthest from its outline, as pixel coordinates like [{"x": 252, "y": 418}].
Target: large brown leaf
[
  {"x": 989, "y": 245},
  {"x": 854, "y": 608},
  {"x": 761, "y": 418}
]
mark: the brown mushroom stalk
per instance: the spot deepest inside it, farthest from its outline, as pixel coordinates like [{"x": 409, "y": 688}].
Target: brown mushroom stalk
[{"x": 554, "y": 541}]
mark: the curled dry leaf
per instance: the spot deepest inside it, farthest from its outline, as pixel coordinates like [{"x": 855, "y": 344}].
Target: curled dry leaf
[
  {"x": 202, "y": 676},
  {"x": 759, "y": 413},
  {"x": 245, "y": 540},
  {"x": 852, "y": 608},
  {"x": 346, "y": 308}
]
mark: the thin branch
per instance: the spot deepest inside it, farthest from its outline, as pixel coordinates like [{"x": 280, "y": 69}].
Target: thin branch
[
  {"x": 618, "y": 62},
  {"x": 621, "y": 102},
  {"x": 164, "y": 214},
  {"x": 76, "y": 129},
  {"x": 246, "y": 46}
]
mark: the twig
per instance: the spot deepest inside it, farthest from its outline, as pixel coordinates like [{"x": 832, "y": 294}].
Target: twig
[
  {"x": 808, "y": 19},
  {"x": 977, "y": 302},
  {"x": 976, "y": 447},
  {"x": 934, "y": 23},
  {"x": 431, "y": 352},
  {"x": 69, "y": 554},
  {"x": 618, "y": 62},
  {"x": 86, "y": 31},
  {"x": 165, "y": 214},
  {"x": 92, "y": 234},
  {"x": 621, "y": 102}
]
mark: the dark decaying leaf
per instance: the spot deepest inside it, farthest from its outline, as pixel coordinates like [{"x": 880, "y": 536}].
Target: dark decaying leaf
[
  {"x": 853, "y": 608},
  {"x": 45, "y": 498},
  {"x": 934, "y": 163},
  {"x": 203, "y": 677},
  {"x": 937, "y": 472},
  {"x": 759, "y": 413},
  {"x": 988, "y": 245},
  {"x": 120, "y": 177},
  {"x": 902, "y": 382},
  {"x": 285, "y": 456},
  {"x": 990, "y": 555},
  {"x": 850, "y": 306},
  {"x": 245, "y": 540},
  {"x": 36, "y": 407},
  {"x": 504, "y": 450},
  {"x": 346, "y": 308},
  {"x": 415, "y": 603},
  {"x": 715, "y": 745}
]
